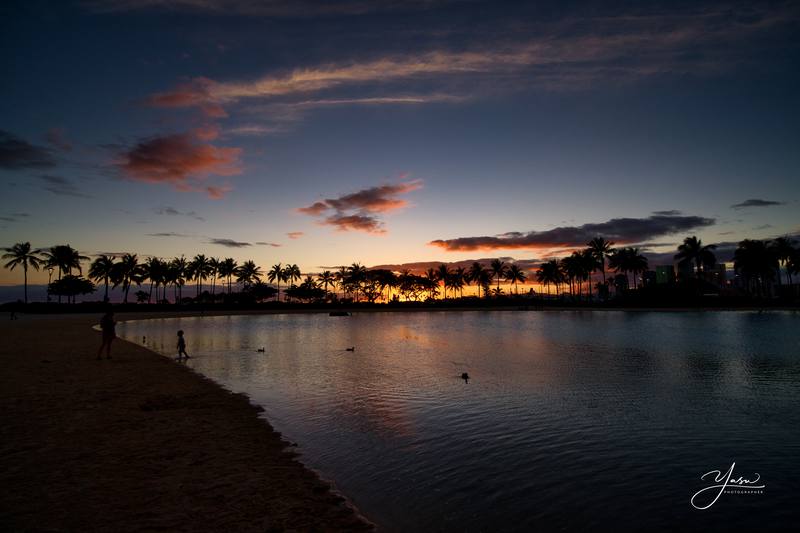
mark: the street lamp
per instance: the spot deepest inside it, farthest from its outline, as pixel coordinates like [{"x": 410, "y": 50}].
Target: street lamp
[{"x": 49, "y": 280}]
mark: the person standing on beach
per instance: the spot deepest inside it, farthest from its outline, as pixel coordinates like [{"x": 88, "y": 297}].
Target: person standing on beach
[
  {"x": 181, "y": 346},
  {"x": 108, "y": 325}
]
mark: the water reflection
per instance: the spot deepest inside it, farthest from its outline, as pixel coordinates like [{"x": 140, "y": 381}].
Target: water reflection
[{"x": 568, "y": 418}]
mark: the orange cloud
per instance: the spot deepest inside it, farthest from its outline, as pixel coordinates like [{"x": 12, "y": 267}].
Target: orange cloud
[
  {"x": 181, "y": 161},
  {"x": 295, "y": 234},
  {"x": 356, "y": 211}
]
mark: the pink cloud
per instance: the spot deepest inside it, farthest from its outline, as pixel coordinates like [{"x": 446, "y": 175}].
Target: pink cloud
[
  {"x": 356, "y": 211},
  {"x": 181, "y": 160},
  {"x": 295, "y": 234}
]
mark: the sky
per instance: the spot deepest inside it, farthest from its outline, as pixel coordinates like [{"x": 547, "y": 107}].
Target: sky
[{"x": 387, "y": 133}]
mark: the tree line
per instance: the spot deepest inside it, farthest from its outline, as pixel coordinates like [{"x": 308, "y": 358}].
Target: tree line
[{"x": 758, "y": 262}]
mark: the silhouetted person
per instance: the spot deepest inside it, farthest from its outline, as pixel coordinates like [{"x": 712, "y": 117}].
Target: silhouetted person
[
  {"x": 108, "y": 325},
  {"x": 181, "y": 346},
  {"x": 465, "y": 377}
]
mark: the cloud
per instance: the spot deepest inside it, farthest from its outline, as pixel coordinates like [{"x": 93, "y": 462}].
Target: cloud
[
  {"x": 61, "y": 186},
  {"x": 265, "y": 8},
  {"x": 230, "y": 243},
  {"x": 166, "y": 234},
  {"x": 274, "y": 245},
  {"x": 763, "y": 226},
  {"x": 668, "y": 213},
  {"x": 365, "y": 223},
  {"x": 756, "y": 202},
  {"x": 171, "y": 211},
  {"x": 295, "y": 234},
  {"x": 618, "y": 230},
  {"x": 19, "y": 154},
  {"x": 420, "y": 267},
  {"x": 56, "y": 137},
  {"x": 356, "y": 211},
  {"x": 181, "y": 161}
]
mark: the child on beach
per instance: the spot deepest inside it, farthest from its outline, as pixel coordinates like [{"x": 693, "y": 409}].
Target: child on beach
[
  {"x": 108, "y": 325},
  {"x": 181, "y": 346}
]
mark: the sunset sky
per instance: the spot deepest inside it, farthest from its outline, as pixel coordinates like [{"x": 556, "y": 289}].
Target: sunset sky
[{"x": 388, "y": 132}]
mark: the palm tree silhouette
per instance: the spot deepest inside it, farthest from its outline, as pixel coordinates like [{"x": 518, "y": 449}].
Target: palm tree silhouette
[
  {"x": 227, "y": 269},
  {"x": 327, "y": 278},
  {"x": 600, "y": 249},
  {"x": 433, "y": 280},
  {"x": 515, "y": 274},
  {"x": 692, "y": 250},
  {"x": 64, "y": 257},
  {"x": 291, "y": 273},
  {"x": 101, "y": 269},
  {"x": 478, "y": 274},
  {"x": 178, "y": 267},
  {"x": 498, "y": 270},
  {"x": 783, "y": 249},
  {"x": 356, "y": 275},
  {"x": 247, "y": 274},
  {"x": 125, "y": 272},
  {"x": 21, "y": 254},
  {"x": 458, "y": 279},
  {"x": 155, "y": 269},
  {"x": 275, "y": 275},
  {"x": 200, "y": 269},
  {"x": 443, "y": 273},
  {"x": 757, "y": 263},
  {"x": 213, "y": 271}
]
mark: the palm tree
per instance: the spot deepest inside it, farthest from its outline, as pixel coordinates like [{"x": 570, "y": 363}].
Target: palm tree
[
  {"x": 275, "y": 275},
  {"x": 498, "y": 270},
  {"x": 587, "y": 264},
  {"x": 291, "y": 273},
  {"x": 756, "y": 263},
  {"x": 327, "y": 278},
  {"x": 635, "y": 263},
  {"x": 458, "y": 279},
  {"x": 64, "y": 257},
  {"x": 600, "y": 249},
  {"x": 201, "y": 269},
  {"x": 356, "y": 275},
  {"x": 101, "y": 269},
  {"x": 126, "y": 272},
  {"x": 515, "y": 274},
  {"x": 341, "y": 277},
  {"x": 227, "y": 268},
  {"x": 692, "y": 250},
  {"x": 478, "y": 274},
  {"x": 550, "y": 272},
  {"x": 213, "y": 271},
  {"x": 21, "y": 254},
  {"x": 154, "y": 269},
  {"x": 248, "y": 273},
  {"x": 783, "y": 249},
  {"x": 178, "y": 267},
  {"x": 443, "y": 273},
  {"x": 570, "y": 267},
  {"x": 433, "y": 281}
]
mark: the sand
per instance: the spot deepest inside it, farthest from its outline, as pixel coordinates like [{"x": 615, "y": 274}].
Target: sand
[{"x": 139, "y": 442}]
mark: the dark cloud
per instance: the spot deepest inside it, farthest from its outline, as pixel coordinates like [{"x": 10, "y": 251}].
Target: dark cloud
[
  {"x": 274, "y": 245},
  {"x": 365, "y": 223},
  {"x": 763, "y": 226},
  {"x": 619, "y": 230},
  {"x": 230, "y": 243},
  {"x": 171, "y": 211},
  {"x": 14, "y": 217},
  {"x": 356, "y": 211},
  {"x": 756, "y": 202},
  {"x": 420, "y": 267},
  {"x": 167, "y": 234},
  {"x": 181, "y": 160},
  {"x": 669, "y": 213},
  {"x": 19, "y": 154},
  {"x": 61, "y": 186}
]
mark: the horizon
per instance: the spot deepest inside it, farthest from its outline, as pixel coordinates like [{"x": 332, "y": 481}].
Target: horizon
[{"x": 385, "y": 134}]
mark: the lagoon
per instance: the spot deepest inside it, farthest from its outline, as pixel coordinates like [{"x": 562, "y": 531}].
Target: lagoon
[{"x": 571, "y": 419}]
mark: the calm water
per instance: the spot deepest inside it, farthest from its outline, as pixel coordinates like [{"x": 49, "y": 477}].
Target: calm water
[{"x": 572, "y": 420}]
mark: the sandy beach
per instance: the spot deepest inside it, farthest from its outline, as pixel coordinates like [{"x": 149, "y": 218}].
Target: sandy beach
[{"x": 139, "y": 442}]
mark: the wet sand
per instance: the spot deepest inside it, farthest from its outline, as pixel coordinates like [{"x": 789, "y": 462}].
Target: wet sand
[{"x": 139, "y": 442}]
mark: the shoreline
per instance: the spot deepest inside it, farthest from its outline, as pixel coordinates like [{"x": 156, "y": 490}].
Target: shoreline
[{"x": 140, "y": 442}]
